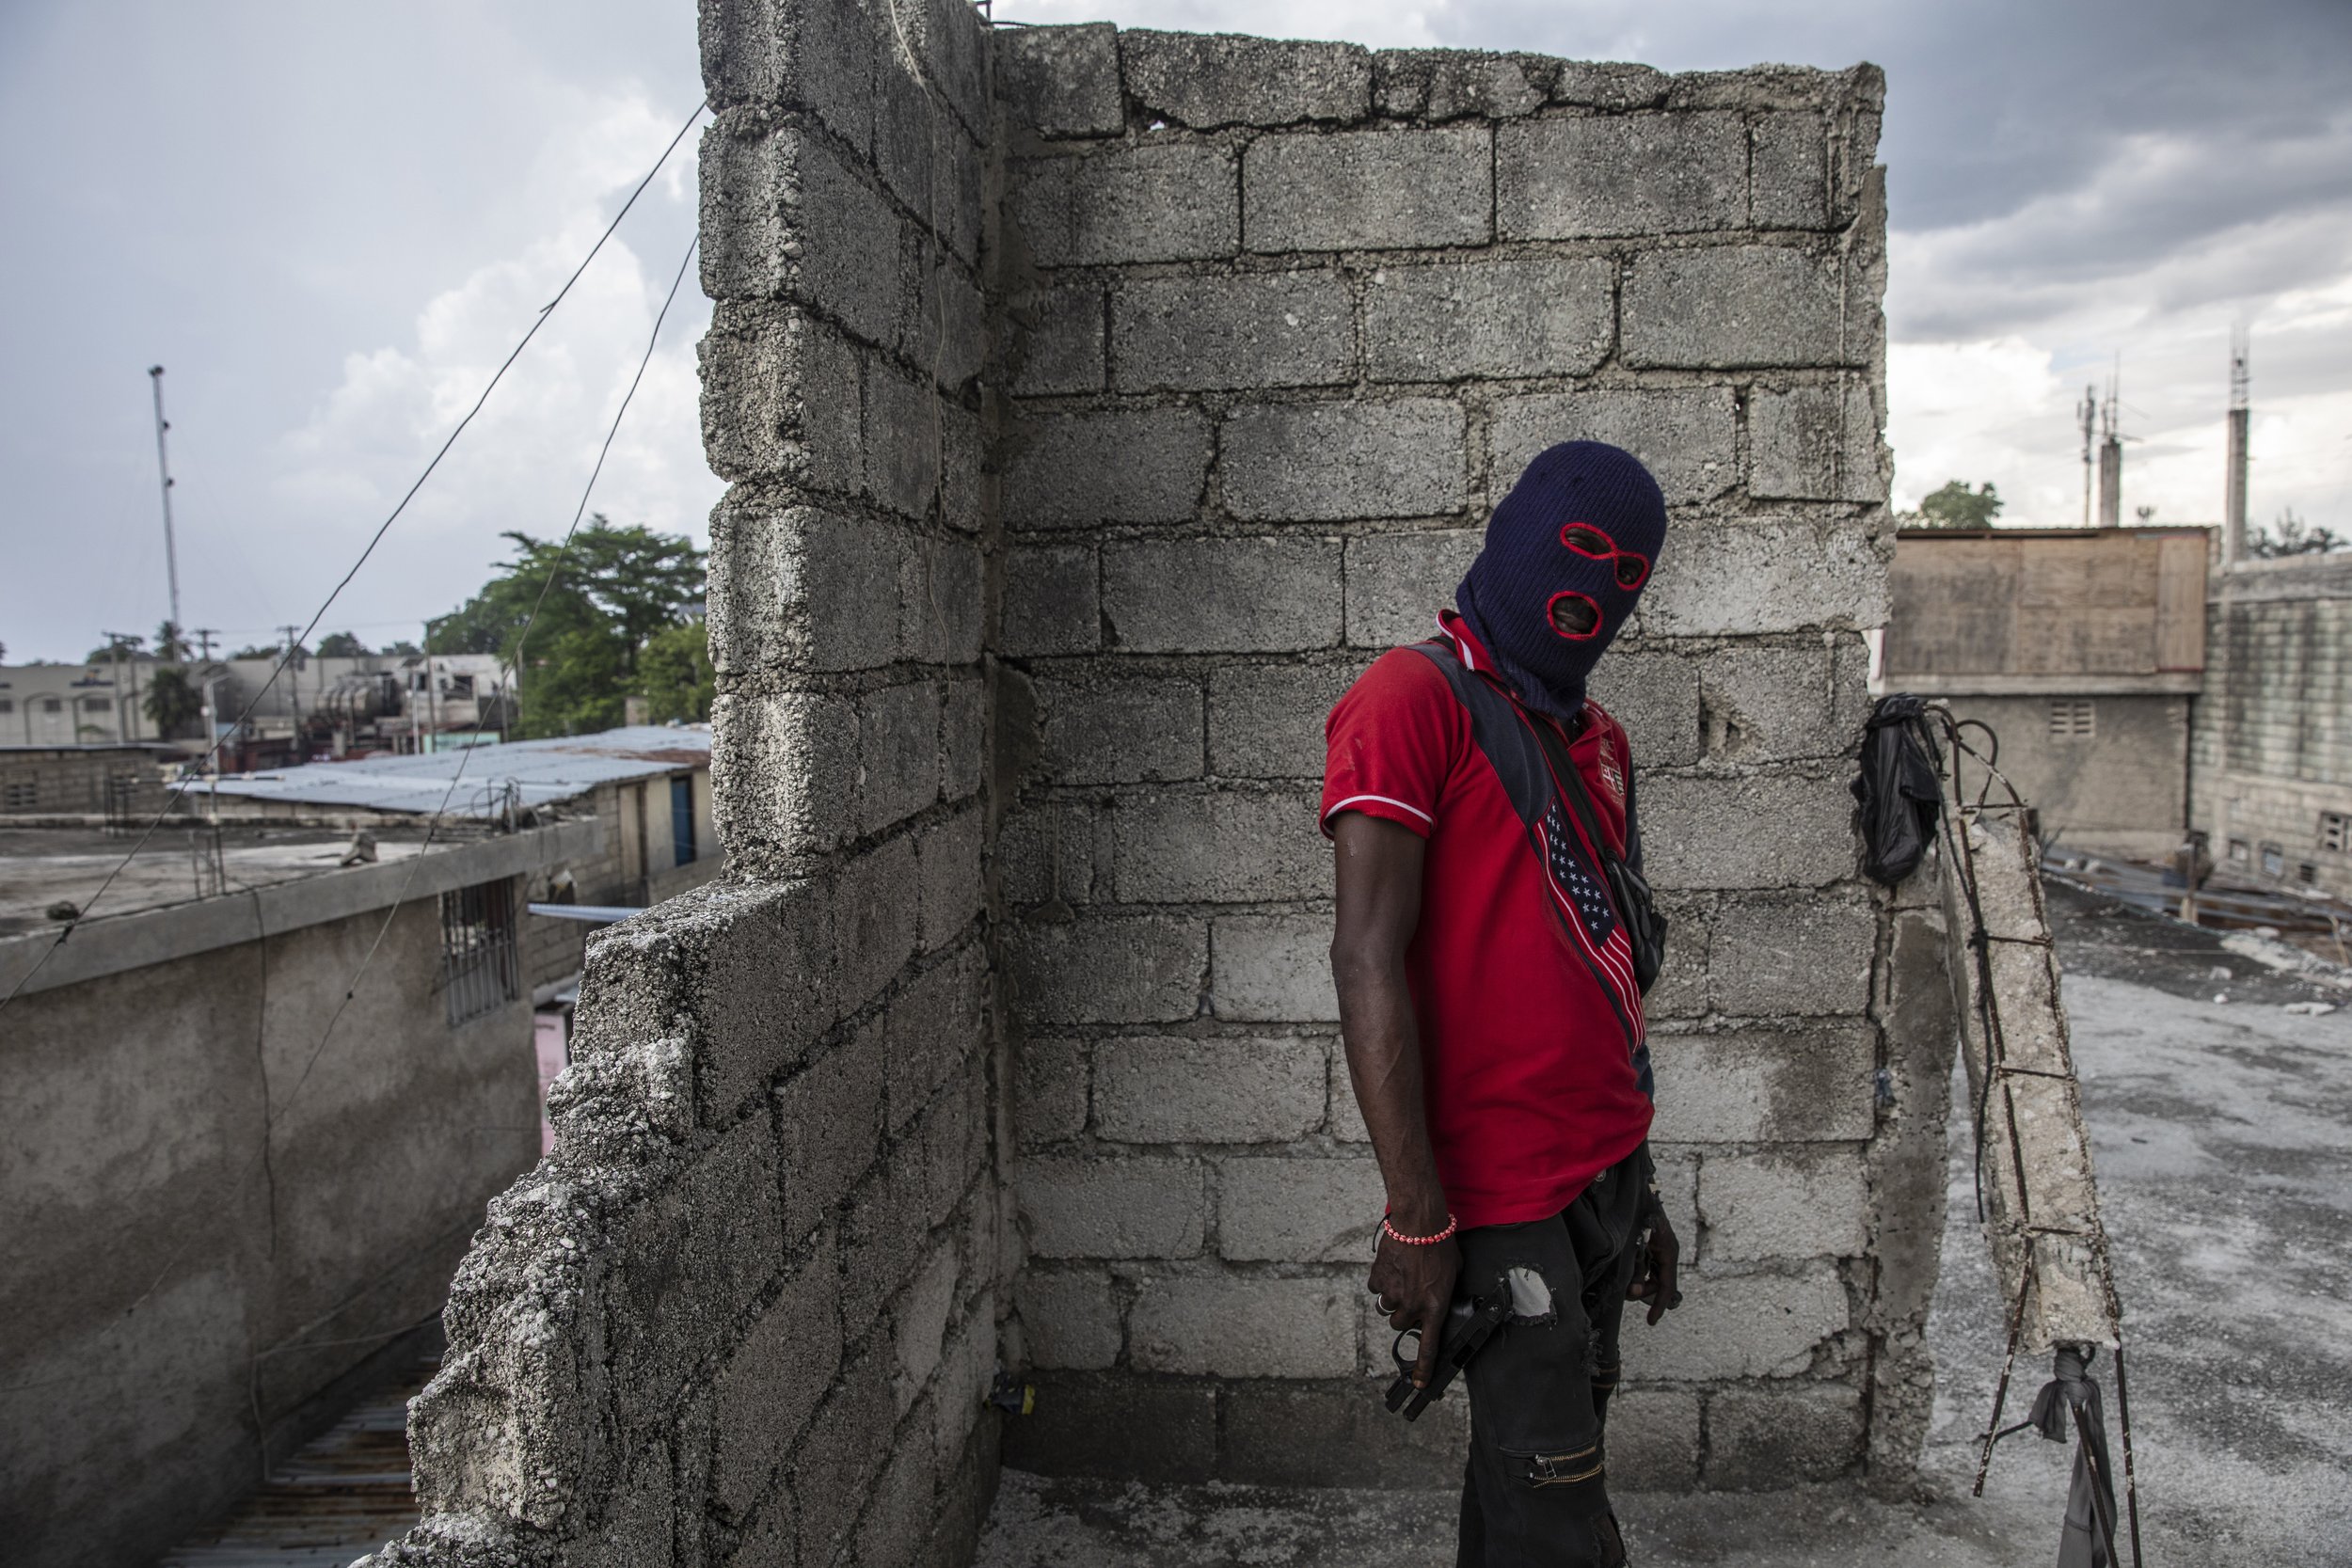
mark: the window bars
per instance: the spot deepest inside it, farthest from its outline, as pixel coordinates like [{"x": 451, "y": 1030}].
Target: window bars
[{"x": 481, "y": 970}]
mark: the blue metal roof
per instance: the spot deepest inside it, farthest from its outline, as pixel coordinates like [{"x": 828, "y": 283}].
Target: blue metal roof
[{"x": 475, "y": 783}]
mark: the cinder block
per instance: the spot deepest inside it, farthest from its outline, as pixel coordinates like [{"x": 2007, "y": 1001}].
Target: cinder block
[
  {"x": 1546, "y": 317},
  {"x": 1369, "y": 190},
  {"x": 1049, "y": 1098},
  {"x": 1116, "y": 1426},
  {"x": 814, "y": 231},
  {"x": 1608, "y": 84},
  {"x": 1108, "y": 969},
  {"x": 1788, "y": 171},
  {"x": 1222, "y": 595},
  {"x": 902, "y": 442},
  {"x": 844, "y": 1450},
  {"x": 897, "y": 752},
  {"x": 1288, "y": 1434},
  {"x": 1763, "y": 1440},
  {"x": 799, "y": 589},
  {"x": 1677, "y": 1167},
  {"x": 1775, "y": 954},
  {"x": 1292, "y": 1209},
  {"x": 818, "y": 55},
  {"x": 1083, "y": 470},
  {"x": 1121, "y": 729},
  {"x": 1273, "y": 968},
  {"x": 1794, "y": 1085},
  {"x": 783, "y": 776},
  {"x": 1656, "y": 697},
  {"x": 900, "y": 1512},
  {"x": 1211, "y": 1091},
  {"x": 1060, "y": 81},
  {"x": 953, "y": 349},
  {"x": 1746, "y": 579},
  {"x": 1208, "y": 80},
  {"x": 1046, "y": 853},
  {"x": 1069, "y": 1319},
  {"x": 1704, "y": 832},
  {"x": 1653, "y": 1437},
  {"x": 1597, "y": 175},
  {"x": 759, "y": 991},
  {"x": 939, "y": 600},
  {"x": 918, "y": 1324},
  {"x": 948, "y": 861},
  {"x": 781, "y": 399},
  {"x": 1253, "y": 329},
  {"x": 1447, "y": 83},
  {"x": 1227, "y": 848},
  {"x": 1112, "y": 1207},
  {"x": 1741, "y": 1325},
  {"x": 769, "y": 1387},
  {"x": 1265, "y": 720},
  {"x": 829, "y": 1124},
  {"x": 1049, "y": 605},
  {"x": 1722, "y": 306},
  {"x": 1175, "y": 202},
  {"x": 932, "y": 1029},
  {"x": 1347, "y": 1118},
  {"x": 1764, "y": 704},
  {"x": 1325, "y": 462},
  {"x": 1686, "y": 437},
  {"x": 1398, "y": 583},
  {"x": 1785, "y": 1203},
  {"x": 684, "y": 1266},
  {"x": 1230, "y": 1326},
  {"x": 873, "y": 918},
  {"x": 1059, "y": 344},
  {"x": 1815, "y": 443}
]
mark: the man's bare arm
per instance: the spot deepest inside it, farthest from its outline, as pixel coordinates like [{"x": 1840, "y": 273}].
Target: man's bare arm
[{"x": 1379, "y": 868}]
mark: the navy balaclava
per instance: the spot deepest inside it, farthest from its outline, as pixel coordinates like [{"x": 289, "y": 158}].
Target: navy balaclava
[{"x": 1580, "y": 533}]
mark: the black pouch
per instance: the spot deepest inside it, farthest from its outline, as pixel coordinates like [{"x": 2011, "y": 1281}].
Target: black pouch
[{"x": 1898, "y": 794}]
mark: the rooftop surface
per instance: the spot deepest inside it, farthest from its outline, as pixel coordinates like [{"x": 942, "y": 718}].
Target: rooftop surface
[
  {"x": 42, "y": 866},
  {"x": 475, "y": 783}
]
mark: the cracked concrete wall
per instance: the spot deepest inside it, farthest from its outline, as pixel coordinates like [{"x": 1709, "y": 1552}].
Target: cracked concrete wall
[
  {"x": 1094, "y": 407},
  {"x": 1281, "y": 322}
]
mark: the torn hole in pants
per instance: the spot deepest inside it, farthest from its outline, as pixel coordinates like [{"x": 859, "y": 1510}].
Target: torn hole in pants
[{"x": 1531, "y": 1298}]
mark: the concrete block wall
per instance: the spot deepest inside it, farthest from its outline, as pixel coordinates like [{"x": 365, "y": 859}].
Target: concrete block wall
[
  {"x": 746, "y": 1312},
  {"x": 1095, "y": 406},
  {"x": 1281, "y": 322}
]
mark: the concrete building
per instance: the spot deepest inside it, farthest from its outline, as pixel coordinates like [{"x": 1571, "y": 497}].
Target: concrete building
[
  {"x": 1093, "y": 404},
  {"x": 2272, "y": 778},
  {"x": 90, "y": 780},
  {"x": 314, "y": 706},
  {"x": 2084, "y": 650},
  {"x": 244, "y": 1138},
  {"x": 649, "y": 785}
]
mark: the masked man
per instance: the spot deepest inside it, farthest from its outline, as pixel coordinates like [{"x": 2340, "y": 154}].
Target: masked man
[{"x": 1488, "y": 994}]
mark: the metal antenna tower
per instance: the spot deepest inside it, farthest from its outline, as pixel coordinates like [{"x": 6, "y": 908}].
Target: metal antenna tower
[
  {"x": 2088, "y": 412},
  {"x": 163, "y": 468},
  {"x": 2234, "y": 483}
]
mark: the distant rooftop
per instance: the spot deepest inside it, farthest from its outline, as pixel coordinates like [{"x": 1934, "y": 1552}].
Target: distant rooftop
[{"x": 472, "y": 782}]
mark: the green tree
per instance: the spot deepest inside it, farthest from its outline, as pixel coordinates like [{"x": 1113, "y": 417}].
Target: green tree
[
  {"x": 401, "y": 648},
  {"x": 674, "y": 671},
  {"x": 127, "y": 647},
  {"x": 172, "y": 645},
  {"x": 174, "y": 703},
  {"x": 260, "y": 650},
  {"x": 342, "y": 645},
  {"x": 597, "y": 604},
  {"x": 2292, "y": 535},
  {"x": 1957, "y": 506}
]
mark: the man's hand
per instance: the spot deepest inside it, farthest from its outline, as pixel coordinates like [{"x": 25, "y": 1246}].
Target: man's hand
[
  {"x": 1416, "y": 1289},
  {"x": 1657, "y": 1269}
]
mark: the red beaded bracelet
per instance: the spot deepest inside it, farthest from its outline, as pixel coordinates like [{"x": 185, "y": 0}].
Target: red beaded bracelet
[{"x": 1393, "y": 1234}]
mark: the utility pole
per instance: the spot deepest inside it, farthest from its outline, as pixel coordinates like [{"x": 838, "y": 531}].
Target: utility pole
[
  {"x": 293, "y": 681},
  {"x": 163, "y": 468},
  {"x": 126, "y": 706},
  {"x": 203, "y": 636},
  {"x": 2088, "y": 412},
  {"x": 2111, "y": 451},
  {"x": 2233, "y": 487}
]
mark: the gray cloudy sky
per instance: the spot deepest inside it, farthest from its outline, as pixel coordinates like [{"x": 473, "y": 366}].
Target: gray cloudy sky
[{"x": 330, "y": 223}]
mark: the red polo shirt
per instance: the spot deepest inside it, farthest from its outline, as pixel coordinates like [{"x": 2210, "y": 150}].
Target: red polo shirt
[{"x": 1528, "y": 1025}]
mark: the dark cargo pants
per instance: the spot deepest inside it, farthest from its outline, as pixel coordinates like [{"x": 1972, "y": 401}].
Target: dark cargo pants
[{"x": 1535, "y": 1494}]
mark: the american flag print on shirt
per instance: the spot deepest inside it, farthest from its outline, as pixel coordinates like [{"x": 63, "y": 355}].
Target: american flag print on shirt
[{"x": 1584, "y": 898}]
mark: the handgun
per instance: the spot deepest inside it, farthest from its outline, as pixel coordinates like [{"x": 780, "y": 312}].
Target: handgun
[{"x": 1469, "y": 1324}]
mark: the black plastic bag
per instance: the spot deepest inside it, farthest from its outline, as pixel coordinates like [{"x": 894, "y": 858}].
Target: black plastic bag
[{"x": 1899, "y": 790}]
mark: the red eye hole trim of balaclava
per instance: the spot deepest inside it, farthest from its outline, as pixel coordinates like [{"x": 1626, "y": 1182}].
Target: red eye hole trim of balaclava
[
  {"x": 1586, "y": 600},
  {"x": 1631, "y": 570}
]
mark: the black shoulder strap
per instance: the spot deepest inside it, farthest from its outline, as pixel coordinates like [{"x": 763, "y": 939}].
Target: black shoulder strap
[
  {"x": 1509, "y": 743},
  {"x": 1564, "y": 767}
]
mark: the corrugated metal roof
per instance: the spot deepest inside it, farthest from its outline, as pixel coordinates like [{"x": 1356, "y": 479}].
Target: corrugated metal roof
[{"x": 474, "y": 783}]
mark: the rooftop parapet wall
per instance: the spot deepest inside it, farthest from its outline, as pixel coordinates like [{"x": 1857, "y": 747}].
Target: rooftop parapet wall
[{"x": 1281, "y": 322}]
